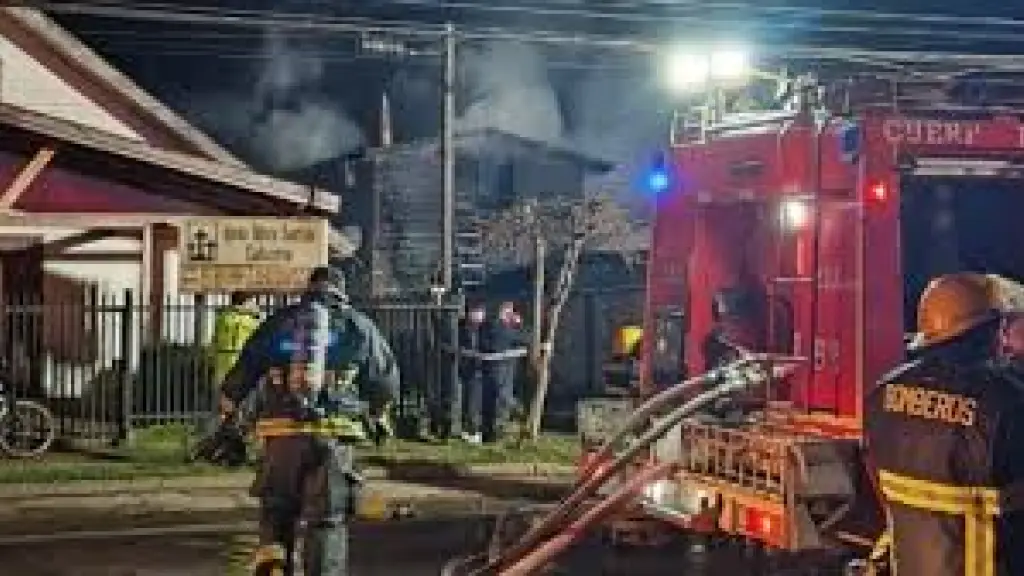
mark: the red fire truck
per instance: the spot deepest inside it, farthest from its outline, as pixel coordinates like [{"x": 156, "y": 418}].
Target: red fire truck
[{"x": 824, "y": 224}]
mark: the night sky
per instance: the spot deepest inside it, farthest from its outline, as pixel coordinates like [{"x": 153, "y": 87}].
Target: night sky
[{"x": 267, "y": 94}]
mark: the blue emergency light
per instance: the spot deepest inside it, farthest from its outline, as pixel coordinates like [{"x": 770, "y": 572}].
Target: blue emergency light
[{"x": 658, "y": 180}]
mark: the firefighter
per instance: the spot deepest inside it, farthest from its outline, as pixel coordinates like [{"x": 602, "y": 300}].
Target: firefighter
[
  {"x": 471, "y": 372},
  {"x": 737, "y": 316},
  {"x": 944, "y": 438},
  {"x": 318, "y": 368},
  {"x": 232, "y": 327},
  {"x": 1011, "y": 338}
]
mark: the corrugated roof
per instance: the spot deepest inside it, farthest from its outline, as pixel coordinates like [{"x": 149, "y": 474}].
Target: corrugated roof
[
  {"x": 230, "y": 175},
  {"x": 77, "y": 53}
]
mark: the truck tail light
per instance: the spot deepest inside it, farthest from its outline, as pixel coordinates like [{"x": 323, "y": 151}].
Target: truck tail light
[
  {"x": 878, "y": 192},
  {"x": 759, "y": 524}
]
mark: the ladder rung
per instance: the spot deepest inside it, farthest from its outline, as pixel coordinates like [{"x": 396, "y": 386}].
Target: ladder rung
[{"x": 792, "y": 279}]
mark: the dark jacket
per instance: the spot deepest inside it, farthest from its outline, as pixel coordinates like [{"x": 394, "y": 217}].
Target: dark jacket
[
  {"x": 319, "y": 358},
  {"x": 469, "y": 340},
  {"x": 940, "y": 428},
  {"x": 498, "y": 336}
]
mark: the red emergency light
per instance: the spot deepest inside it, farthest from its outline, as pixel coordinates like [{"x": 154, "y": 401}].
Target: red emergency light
[
  {"x": 878, "y": 192},
  {"x": 762, "y": 525}
]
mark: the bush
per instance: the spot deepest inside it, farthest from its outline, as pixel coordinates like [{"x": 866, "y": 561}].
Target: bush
[{"x": 172, "y": 379}]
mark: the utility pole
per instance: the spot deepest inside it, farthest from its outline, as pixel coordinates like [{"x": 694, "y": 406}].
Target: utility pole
[
  {"x": 447, "y": 258},
  {"x": 538, "y": 295}
]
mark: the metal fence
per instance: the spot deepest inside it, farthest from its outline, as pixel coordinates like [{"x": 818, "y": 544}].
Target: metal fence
[{"x": 107, "y": 365}]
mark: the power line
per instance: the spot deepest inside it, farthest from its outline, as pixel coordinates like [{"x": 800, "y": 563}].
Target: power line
[
  {"x": 672, "y": 7},
  {"x": 311, "y": 22},
  {"x": 956, "y": 33}
]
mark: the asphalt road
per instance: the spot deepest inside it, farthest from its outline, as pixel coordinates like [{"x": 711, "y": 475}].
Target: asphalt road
[{"x": 411, "y": 548}]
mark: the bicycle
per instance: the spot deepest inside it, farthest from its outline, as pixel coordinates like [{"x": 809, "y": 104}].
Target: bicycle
[{"x": 28, "y": 430}]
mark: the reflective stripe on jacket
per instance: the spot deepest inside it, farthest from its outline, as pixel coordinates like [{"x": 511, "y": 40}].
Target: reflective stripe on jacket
[
  {"x": 341, "y": 427},
  {"x": 946, "y": 439},
  {"x": 976, "y": 506}
]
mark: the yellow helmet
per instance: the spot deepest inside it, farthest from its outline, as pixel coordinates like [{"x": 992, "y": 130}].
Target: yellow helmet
[{"x": 953, "y": 304}]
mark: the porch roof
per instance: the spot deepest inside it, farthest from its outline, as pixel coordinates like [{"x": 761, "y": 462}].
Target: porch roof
[{"x": 164, "y": 172}]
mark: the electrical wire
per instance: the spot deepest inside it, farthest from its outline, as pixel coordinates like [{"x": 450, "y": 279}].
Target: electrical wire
[
  {"x": 956, "y": 32},
  {"x": 673, "y": 7},
  {"x": 305, "y": 24},
  {"x": 616, "y": 11},
  {"x": 309, "y": 22}
]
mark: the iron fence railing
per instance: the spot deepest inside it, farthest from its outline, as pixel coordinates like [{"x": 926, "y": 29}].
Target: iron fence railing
[{"x": 106, "y": 364}]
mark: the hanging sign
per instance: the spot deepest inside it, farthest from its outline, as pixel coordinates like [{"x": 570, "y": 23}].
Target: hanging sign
[{"x": 221, "y": 255}]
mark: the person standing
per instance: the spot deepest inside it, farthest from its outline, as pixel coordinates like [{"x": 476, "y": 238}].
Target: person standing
[
  {"x": 943, "y": 435},
  {"x": 323, "y": 374},
  {"x": 471, "y": 373},
  {"x": 502, "y": 346},
  {"x": 233, "y": 325}
]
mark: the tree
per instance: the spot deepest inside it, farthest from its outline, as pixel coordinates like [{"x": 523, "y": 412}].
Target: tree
[{"x": 563, "y": 228}]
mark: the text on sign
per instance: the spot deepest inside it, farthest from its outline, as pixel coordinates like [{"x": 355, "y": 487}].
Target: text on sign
[{"x": 964, "y": 133}]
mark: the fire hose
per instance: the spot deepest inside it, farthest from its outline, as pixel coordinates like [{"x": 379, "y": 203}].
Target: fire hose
[{"x": 531, "y": 551}]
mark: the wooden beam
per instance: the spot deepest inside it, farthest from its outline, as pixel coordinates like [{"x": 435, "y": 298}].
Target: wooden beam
[
  {"x": 80, "y": 220},
  {"x": 60, "y": 246},
  {"x": 25, "y": 177},
  {"x": 96, "y": 257}
]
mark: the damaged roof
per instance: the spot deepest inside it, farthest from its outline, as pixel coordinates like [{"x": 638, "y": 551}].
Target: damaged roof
[{"x": 500, "y": 143}]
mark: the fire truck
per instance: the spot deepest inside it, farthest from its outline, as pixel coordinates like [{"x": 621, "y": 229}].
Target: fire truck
[{"x": 824, "y": 222}]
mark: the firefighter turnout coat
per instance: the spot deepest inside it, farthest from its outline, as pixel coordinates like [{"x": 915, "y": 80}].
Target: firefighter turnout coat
[{"x": 947, "y": 443}]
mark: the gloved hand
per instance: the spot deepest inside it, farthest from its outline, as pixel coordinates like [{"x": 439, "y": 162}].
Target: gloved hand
[{"x": 224, "y": 446}]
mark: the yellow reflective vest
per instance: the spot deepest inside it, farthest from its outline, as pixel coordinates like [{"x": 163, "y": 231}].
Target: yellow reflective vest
[{"x": 231, "y": 330}]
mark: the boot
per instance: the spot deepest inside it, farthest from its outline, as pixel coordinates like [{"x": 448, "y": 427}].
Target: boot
[{"x": 268, "y": 560}]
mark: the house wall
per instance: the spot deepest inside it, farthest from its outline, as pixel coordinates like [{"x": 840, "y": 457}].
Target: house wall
[
  {"x": 76, "y": 339},
  {"x": 405, "y": 184}
]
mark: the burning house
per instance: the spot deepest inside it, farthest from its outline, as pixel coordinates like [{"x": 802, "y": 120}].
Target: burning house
[{"x": 397, "y": 201}]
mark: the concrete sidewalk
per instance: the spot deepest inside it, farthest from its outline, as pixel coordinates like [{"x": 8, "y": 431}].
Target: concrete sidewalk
[{"x": 27, "y": 508}]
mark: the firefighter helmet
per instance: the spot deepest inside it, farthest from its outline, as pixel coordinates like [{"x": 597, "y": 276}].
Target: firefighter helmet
[{"x": 953, "y": 304}]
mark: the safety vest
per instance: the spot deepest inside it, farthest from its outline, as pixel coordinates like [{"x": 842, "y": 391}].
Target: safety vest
[{"x": 232, "y": 328}]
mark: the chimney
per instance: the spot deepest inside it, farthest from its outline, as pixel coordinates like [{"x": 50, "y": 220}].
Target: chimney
[{"x": 386, "y": 137}]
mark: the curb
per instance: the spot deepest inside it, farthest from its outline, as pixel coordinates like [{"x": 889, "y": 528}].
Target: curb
[
  {"x": 383, "y": 502},
  {"x": 241, "y": 480}
]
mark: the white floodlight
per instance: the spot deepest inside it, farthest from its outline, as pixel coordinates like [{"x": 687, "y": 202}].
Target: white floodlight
[
  {"x": 731, "y": 64},
  {"x": 687, "y": 71},
  {"x": 795, "y": 214}
]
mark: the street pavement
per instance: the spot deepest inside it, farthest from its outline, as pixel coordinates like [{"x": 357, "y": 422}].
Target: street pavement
[
  {"x": 412, "y": 548},
  {"x": 201, "y": 527}
]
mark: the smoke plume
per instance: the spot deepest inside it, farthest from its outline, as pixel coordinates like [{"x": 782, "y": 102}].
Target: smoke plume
[
  {"x": 288, "y": 122},
  {"x": 506, "y": 87},
  {"x": 296, "y": 125}
]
